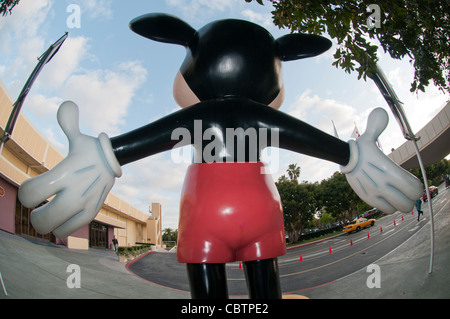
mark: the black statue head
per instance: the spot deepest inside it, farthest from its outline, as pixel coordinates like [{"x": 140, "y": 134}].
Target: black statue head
[{"x": 229, "y": 57}]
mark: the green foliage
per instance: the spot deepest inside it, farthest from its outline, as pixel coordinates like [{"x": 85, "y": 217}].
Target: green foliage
[
  {"x": 333, "y": 199},
  {"x": 299, "y": 204},
  {"x": 416, "y": 29},
  {"x": 338, "y": 197},
  {"x": 434, "y": 172},
  {"x": 326, "y": 218},
  {"x": 169, "y": 234},
  {"x": 293, "y": 172},
  {"x": 6, "y": 6},
  {"x": 133, "y": 251}
]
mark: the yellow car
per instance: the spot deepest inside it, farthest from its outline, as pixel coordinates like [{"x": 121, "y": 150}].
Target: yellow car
[{"x": 358, "y": 224}]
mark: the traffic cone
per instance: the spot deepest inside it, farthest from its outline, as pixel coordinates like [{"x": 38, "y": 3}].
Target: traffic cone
[
  {"x": 381, "y": 229},
  {"x": 402, "y": 218},
  {"x": 368, "y": 235},
  {"x": 240, "y": 265},
  {"x": 301, "y": 257},
  {"x": 395, "y": 224},
  {"x": 329, "y": 250},
  {"x": 351, "y": 242}
]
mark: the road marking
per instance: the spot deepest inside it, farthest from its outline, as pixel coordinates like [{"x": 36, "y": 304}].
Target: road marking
[
  {"x": 387, "y": 232},
  {"x": 336, "y": 261}
]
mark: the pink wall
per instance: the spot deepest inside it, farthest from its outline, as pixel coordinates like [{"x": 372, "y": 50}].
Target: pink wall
[
  {"x": 8, "y": 195},
  {"x": 80, "y": 233},
  {"x": 83, "y": 232}
]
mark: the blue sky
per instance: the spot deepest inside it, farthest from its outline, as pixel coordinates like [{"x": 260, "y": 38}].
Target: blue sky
[{"x": 122, "y": 81}]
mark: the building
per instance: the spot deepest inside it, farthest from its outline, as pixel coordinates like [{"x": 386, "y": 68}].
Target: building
[
  {"x": 27, "y": 154},
  {"x": 154, "y": 225},
  {"x": 433, "y": 144}
]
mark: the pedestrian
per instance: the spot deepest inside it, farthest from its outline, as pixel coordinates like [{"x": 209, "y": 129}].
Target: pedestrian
[
  {"x": 115, "y": 242},
  {"x": 418, "y": 205}
]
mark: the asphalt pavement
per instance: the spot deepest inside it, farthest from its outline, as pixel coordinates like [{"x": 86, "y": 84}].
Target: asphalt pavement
[
  {"x": 30, "y": 270},
  {"x": 405, "y": 271}
]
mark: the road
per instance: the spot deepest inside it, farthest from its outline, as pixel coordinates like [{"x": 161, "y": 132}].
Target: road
[{"x": 308, "y": 266}]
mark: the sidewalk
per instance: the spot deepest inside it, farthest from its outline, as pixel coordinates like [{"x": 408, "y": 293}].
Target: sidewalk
[{"x": 31, "y": 270}]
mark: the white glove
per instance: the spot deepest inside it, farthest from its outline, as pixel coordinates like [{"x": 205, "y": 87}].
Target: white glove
[
  {"x": 80, "y": 182},
  {"x": 374, "y": 177}
]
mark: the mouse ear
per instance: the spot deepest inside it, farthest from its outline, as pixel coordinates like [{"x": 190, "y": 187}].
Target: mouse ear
[
  {"x": 297, "y": 46},
  {"x": 163, "y": 28}
]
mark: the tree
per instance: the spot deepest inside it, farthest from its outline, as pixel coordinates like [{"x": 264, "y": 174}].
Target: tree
[
  {"x": 435, "y": 172},
  {"x": 417, "y": 29},
  {"x": 299, "y": 206},
  {"x": 6, "y": 6},
  {"x": 338, "y": 197},
  {"x": 326, "y": 218},
  {"x": 169, "y": 234},
  {"x": 293, "y": 172},
  {"x": 299, "y": 202}
]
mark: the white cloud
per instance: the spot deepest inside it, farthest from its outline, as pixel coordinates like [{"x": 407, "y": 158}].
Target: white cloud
[
  {"x": 96, "y": 8},
  {"x": 319, "y": 112},
  {"x": 104, "y": 96},
  {"x": 50, "y": 135},
  {"x": 27, "y": 23},
  {"x": 43, "y": 107},
  {"x": 65, "y": 63},
  {"x": 264, "y": 19},
  {"x": 198, "y": 9},
  {"x": 155, "y": 179},
  {"x": 27, "y": 18},
  {"x": 419, "y": 108}
]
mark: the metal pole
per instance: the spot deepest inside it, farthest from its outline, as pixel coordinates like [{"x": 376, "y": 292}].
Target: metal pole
[
  {"x": 43, "y": 60},
  {"x": 392, "y": 100},
  {"x": 3, "y": 284}
]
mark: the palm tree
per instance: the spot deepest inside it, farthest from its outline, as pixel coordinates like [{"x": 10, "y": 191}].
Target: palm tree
[{"x": 293, "y": 172}]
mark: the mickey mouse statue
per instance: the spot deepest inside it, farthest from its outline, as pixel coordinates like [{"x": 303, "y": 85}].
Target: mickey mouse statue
[{"x": 230, "y": 209}]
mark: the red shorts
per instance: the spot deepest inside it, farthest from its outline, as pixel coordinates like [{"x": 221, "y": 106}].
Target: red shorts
[{"x": 229, "y": 212}]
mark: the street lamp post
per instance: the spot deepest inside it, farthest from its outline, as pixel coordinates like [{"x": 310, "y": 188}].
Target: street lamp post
[
  {"x": 43, "y": 60},
  {"x": 396, "y": 107}
]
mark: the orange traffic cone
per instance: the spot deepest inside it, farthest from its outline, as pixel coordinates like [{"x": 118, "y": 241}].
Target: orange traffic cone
[
  {"x": 351, "y": 242},
  {"x": 329, "y": 250},
  {"x": 301, "y": 257},
  {"x": 368, "y": 235},
  {"x": 240, "y": 265}
]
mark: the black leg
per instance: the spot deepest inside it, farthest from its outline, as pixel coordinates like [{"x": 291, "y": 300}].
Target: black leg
[
  {"x": 263, "y": 279},
  {"x": 207, "y": 281}
]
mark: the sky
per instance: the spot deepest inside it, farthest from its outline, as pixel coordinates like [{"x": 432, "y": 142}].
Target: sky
[{"x": 122, "y": 81}]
